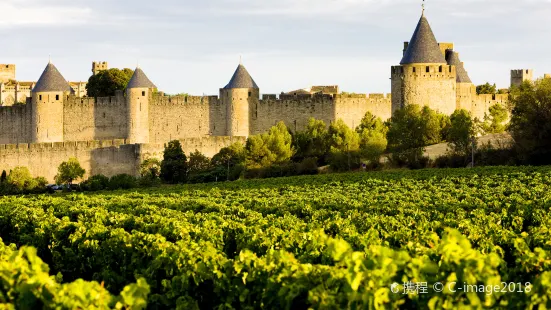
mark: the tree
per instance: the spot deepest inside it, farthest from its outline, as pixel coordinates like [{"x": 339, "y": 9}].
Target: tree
[
  {"x": 410, "y": 130},
  {"x": 198, "y": 162},
  {"x": 342, "y": 138},
  {"x": 344, "y": 146},
  {"x": 495, "y": 121},
  {"x": 151, "y": 168},
  {"x": 530, "y": 123},
  {"x": 312, "y": 142},
  {"x": 461, "y": 132},
  {"x": 20, "y": 179},
  {"x": 229, "y": 162},
  {"x": 106, "y": 82},
  {"x": 486, "y": 89},
  {"x": 69, "y": 171},
  {"x": 174, "y": 167},
  {"x": 373, "y": 140},
  {"x": 271, "y": 148}
]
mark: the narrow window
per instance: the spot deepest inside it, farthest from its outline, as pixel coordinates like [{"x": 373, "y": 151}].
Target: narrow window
[
  {"x": 428, "y": 69},
  {"x": 103, "y": 114},
  {"x": 249, "y": 94},
  {"x": 413, "y": 69},
  {"x": 39, "y": 97},
  {"x": 143, "y": 93},
  {"x": 56, "y": 97},
  {"x": 450, "y": 69},
  {"x": 440, "y": 69}
]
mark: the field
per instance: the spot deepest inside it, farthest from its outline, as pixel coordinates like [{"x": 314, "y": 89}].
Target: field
[{"x": 331, "y": 241}]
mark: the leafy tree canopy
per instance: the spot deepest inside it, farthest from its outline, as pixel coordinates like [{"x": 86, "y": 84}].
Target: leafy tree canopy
[
  {"x": 271, "y": 148},
  {"x": 69, "y": 171},
  {"x": 174, "y": 167},
  {"x": 312, "y": 141},
  {"x": 106, "y": 82},
  {"x": 461, "y": 132},
  {"x": 486, "y": 89},
  {"x": 530, "y": 123}
]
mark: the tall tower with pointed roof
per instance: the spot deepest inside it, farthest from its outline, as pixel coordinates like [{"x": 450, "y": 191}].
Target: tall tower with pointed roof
[
  {"x": 241, "y": 97},
  {"x": 138, "y": 95},
  {"x": 423, "y": 76},
  {"x": 47, "y": 99}
]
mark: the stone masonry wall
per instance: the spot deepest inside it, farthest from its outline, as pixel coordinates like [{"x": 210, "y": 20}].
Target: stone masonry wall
[
  {"x": 90, "y": 119},
  {"x": 180, "y": 117},
  {"x": 15, "y": 124},
  {"x": 482, "y": 104},
  {"x": 352, "y": 108},
  {"x": 295, "y": 111},
  {"x": 97, "y": 157},
  {"x": 431, "y": 85}
]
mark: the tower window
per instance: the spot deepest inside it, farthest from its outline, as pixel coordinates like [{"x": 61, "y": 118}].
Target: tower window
[
  {"x": 249, "y": 94},
  {"x": 428, "y": 69},
  {"x": 440, "y": 69},
  {"x": 39, "y": 97},
  {"x": 56, "y": 97},
  {"x": 450, "y": 68},
  {"x": 143, "y": 93},
  {"x": 413, "y": 69}
]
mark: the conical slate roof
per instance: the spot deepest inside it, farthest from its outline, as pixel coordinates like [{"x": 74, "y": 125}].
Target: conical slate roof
[
  {"x": 140, "y": 80},
  {"x": 423, "y": 47},
  {"x": 51, "y": 81},
  {"x": 453, "y": 60},
  {"x": 241, "y": 79}
]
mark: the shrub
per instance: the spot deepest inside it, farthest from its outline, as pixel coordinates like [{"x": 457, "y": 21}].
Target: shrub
[
  {"x": 96, "y": 182},
  {"x": 122, "y": 181}
]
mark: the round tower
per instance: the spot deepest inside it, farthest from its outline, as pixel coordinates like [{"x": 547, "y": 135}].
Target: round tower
[
  {"x": 47, "y": 98},
  {"x": 240, "y": 97},
  {"x": 424, "y": 77},
  {"x": 466, "y": 90},
  {"x": 138, "y": 94}
]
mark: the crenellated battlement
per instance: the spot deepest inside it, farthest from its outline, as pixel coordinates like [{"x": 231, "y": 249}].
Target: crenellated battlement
[
  {"x": 74, "y": 101},
  {"x": 184, "y": 100},
  {"x": 424, "y": 71},
  {"x": 61, "y": 146}
]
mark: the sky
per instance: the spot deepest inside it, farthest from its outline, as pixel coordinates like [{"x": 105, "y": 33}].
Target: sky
[{"x": 195, "y": 46}]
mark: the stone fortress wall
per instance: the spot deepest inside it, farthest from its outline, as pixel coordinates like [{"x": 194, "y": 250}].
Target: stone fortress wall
[{"x": 115, "y": 134}]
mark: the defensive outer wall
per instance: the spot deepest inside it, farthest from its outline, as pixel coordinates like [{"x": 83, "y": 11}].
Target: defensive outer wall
[{"x": 95, "y": 130}]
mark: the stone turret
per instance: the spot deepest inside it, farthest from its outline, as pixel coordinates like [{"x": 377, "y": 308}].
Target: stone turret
[
  {"x": 466, "y": 90},
  {"x": 138, "y": 95},
  {"x": 47, "y": 100},
  {"x": 521, "y": 75},
  {"x": 241, "y": 97},
  {"x": 423, "y": 76}
]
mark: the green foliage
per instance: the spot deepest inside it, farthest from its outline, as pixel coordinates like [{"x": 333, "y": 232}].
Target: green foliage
[
  {"x": 373, "y": 142},
  {"x": 341, "y": 138},
  {"x": 494, "y": 122},
  {"x": 106, "y": 82},
  {"x": 4, "y": 176},
  {"x": 69, "y": 171},
  {"x": 312, "y": 141},
  {"x": 336, "y": 241},
  {"x": 530, "y": 123},
  {"x": 274, "y": 147},
  {"x": 461, "y": 133},
  {"x": 122, "y": 181},
  {"x": 198, "y": 162},
  {"x": 174, "y": 167},
  {"x": 25, "y": 283},
  {"x": 486, "y": 89},
  {"x": 96, "y": 182},
  {"x": 228, "y": 164},
  {"x": 410, "y": 130},
  {"x": 20, "y": 180},
  {"x": 150, "y": 167}
]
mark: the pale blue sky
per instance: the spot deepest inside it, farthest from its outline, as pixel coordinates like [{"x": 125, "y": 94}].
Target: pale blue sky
[{"x": 194, "y": 46}]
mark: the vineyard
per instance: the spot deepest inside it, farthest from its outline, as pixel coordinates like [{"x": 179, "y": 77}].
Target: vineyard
[{"x": 325, "y": 242}]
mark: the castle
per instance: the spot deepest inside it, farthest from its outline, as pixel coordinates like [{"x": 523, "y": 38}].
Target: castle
[{"x": 115, "y": 134}]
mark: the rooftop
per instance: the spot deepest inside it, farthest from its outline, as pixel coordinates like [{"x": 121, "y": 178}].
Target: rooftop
[
  {"x": 423, "y": 47},
  {"x": 52, "y": 81},
  {"x": 241, "y": 79}
]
